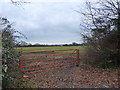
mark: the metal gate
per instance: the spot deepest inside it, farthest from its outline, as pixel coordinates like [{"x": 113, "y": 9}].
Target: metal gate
[{"x": 39, "y": 61}]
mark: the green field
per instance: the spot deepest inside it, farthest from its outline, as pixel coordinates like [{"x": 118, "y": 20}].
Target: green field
[{"x": 51, "y": 48}]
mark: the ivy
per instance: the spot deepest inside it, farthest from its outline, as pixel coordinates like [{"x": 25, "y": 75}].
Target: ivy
[{"x": 9, "y": 55}]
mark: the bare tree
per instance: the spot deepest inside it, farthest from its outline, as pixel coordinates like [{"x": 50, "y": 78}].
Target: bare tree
[
  {"x": 103, "y": 25},
  {"x": 19, "y": 2}
]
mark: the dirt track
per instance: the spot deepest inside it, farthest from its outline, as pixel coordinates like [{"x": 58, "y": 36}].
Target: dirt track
[{"x": 76, "y": 77}]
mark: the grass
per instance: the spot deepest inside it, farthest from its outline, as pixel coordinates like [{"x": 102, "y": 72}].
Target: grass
[{"x": 82, "y": 49}]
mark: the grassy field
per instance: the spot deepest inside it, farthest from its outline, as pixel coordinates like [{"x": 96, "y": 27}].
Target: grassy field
[{"x": 51, "y": 48}]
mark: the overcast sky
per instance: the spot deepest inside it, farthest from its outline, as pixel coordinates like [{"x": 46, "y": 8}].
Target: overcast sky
[{"x": 46, "y": 22}]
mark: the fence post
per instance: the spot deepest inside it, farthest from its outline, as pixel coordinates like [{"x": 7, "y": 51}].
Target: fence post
[
  {"x": 20, "y": 63},
  {"x": 78, "y": 56}
]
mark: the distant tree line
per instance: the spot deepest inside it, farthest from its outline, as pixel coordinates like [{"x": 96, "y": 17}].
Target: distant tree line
[{"x": 25, "y": 44}]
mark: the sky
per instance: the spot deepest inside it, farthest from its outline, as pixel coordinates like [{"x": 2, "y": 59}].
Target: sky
[{"x": 46, "y": 22}]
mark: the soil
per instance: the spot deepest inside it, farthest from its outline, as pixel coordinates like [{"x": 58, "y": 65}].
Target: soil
[{"x": 76, "y": 77}]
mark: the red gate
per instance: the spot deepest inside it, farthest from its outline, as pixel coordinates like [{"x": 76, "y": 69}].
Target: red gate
[{"x": 39, "y": 61}]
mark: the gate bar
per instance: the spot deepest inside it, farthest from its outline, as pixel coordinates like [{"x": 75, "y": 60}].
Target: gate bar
[
  {"x": 50, "y": 69},
  {"x": 61, "y": 64},
  {"x": 77, "y": 53},
  {"x": 47, "y": 55},
  {"x": 47, "y": 51},
  {"x": 48, "y": 63}
]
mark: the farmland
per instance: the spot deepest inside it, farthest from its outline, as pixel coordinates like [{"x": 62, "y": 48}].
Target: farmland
[{"x": 82, "y": 49}]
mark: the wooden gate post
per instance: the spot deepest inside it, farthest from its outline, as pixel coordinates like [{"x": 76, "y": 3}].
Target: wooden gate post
[
  {"x": 78, "y": 56},
  {"x": 20, "y": 63}
]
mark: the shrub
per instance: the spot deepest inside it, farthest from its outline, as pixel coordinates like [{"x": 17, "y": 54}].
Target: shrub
[{"x": 10, "y": 56}]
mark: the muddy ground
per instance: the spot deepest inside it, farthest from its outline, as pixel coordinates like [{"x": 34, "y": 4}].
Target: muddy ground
[{"x": 76, "y": 77}]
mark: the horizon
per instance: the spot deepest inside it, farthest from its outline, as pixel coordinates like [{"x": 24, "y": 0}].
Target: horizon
[{"x": 53, "y": 43}]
